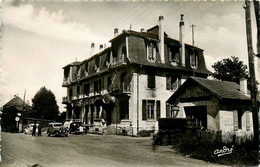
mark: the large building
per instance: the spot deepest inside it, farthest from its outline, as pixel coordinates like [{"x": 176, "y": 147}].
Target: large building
[{"x": 127, "y": 85}]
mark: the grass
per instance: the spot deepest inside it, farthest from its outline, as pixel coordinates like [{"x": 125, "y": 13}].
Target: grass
[{"x": 209, "y": 146}]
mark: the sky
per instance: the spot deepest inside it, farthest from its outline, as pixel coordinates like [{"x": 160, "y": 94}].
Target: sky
[{"x": 39, "y": 38}]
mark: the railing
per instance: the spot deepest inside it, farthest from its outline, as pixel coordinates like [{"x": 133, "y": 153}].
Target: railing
[
  {"x": 121, "y": 87},
  {"x": 66, "y": 81},
  {"x": 118, "y": 61}
]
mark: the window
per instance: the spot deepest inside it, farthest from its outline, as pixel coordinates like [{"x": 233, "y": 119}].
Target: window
[
  {"x": 194, "y": 59},
  {"x": 173, "y": 54},
  {"x": 78, "y": 91},
  {"x": 150, "y": 108},
  {"x": 123, "y": 54},
  {"x": 109, "y": 83},
  {"x": 237, "y": 119},
  {"x": 151, "y": 81},
  {"x": 97, "y": 86},
  {"x": 247, "y": 121},
  {"x": 124, "y": 109},
  {"x": 70, "y": 94},
  {"x": 151, "y": 51},
  {"x": 86, "y": 89},
  {"x": 171, "y": 111},
  {"x": 172, "y": 82},
  {"x": 86, "y": 69},
  {"x": 97, "y": 64}
]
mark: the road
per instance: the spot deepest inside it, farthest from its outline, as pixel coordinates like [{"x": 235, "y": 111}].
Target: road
[{"x": 20, "y": 150}]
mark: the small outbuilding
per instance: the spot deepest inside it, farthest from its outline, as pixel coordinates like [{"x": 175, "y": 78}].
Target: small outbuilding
[{"x": 213, "y": 105}]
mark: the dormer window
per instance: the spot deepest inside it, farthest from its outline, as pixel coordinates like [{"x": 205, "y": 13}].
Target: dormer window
[
  {"x": 86, "y": 69},
  {"x": 194, "y": 59},
  {"x": 173, "y": 55},
  {"x": 151, "y": 51},
  {"x": 97, "y": 64}
]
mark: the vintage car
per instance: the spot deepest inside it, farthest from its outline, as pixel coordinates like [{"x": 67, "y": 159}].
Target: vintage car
[
  {"x": 57, "y": 129},
  {"x": 29, "y": 128},
  {"x": 77, "y": 127}
]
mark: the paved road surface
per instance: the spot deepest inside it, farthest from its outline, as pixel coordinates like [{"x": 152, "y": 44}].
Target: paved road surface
[{"x": 20, "y": 150}]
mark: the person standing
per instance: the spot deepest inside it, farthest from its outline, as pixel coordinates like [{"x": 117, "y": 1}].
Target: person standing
[
  {"x": 34, "y": 129},
  {"x": 39, "y": 130}
]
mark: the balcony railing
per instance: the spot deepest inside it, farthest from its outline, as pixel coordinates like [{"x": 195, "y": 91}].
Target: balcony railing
[
  {"x": 121, "y": 87},
  {"x": 66, "y": 81},
  {"x": 118, "y": 61}
]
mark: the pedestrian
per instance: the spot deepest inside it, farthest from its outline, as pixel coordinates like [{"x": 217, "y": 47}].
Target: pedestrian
[
  {"x": 39, "y": 130},
  {"x": 34, "y": 129}
]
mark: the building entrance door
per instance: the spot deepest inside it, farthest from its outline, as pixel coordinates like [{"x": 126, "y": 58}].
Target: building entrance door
[{"x": 196, "y": 116}]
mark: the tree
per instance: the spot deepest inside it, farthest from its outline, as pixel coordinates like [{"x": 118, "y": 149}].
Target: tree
[
  {"x": 230, "y": 69},
  {"x": 44, "y": 105}
]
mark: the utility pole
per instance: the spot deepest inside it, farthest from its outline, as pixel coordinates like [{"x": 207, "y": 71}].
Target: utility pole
[
  {"x": 22, "y": 115},
  {"x": 252, "y": 79},
  {"x": 257, "y": 16},
  {"x": 193, "y": 53}
]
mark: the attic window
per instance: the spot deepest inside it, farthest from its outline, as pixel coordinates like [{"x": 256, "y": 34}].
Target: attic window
[
  {"x": 86, "y": 68},
  {"x": 97, "y": 63},
  {"x": 193, "y": 59},
  {"x": 151, "y": 51},
  {"x": 173, "y": 55}
]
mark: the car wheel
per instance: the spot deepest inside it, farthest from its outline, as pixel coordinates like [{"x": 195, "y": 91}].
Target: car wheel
[{"x": 66, "y": 135}]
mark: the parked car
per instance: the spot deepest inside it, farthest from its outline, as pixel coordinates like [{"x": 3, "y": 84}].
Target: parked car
[
  {"x": 29, "y": 128},
  {"x": 57, "y": 129},
  {"x": 77, "y": 127}
]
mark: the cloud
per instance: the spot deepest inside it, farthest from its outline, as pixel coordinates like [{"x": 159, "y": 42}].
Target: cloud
[{"x": 52, "y": 24}]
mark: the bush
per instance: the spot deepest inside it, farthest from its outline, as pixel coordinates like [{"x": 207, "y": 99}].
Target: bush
[
  {"x": 145, "y": 133},
  {"x": 209, "y": 147}
]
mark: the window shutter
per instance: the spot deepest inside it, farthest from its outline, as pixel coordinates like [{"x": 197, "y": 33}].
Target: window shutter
[
  {"x": 235, "y": 120},
  {"x": 168, "y": 83},
  {"x": 144, "y": 110},
  {"x": 151, "y": 81},
  {"x": 158, "y": 109},
  {"x": 247, "y": 121},
  {"x": 168, "y": 114}
]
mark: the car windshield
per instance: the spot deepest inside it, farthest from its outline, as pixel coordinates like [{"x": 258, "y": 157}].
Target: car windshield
[{"x": 57, "y": 124}]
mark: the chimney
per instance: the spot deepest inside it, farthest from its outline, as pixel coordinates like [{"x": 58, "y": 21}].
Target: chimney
[
  {"x": 100, "y": 47},
  {"x": 243, "y": 86},
  {"x": 115, "y": 32},
  {"x": 92, "y": 49},
  {"x": 161, "y": 39},
  {"x": 142, "y": 30},
  {"x": 182, "y": 50}
]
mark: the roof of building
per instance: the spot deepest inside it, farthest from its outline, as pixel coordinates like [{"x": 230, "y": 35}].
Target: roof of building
[
  {"x": 75, "y": 63},
  {"x": 16, "y": 101},
  {"x": 221, "y": 89}
]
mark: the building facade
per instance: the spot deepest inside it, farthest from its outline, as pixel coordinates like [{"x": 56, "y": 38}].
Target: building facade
[
  {"x": 215, "y": 105},
  {"x": 126, "y": 85}
]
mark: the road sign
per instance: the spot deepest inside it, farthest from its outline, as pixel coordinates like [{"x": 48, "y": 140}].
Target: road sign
[{"x": 17, "y": 119}]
